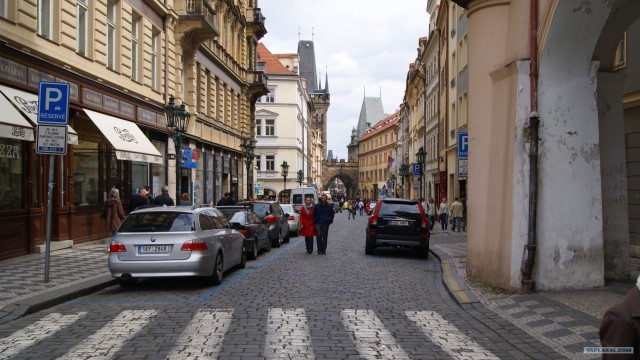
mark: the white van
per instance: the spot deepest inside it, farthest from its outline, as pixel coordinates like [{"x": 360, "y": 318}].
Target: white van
[{"x": 299, "y": 194}]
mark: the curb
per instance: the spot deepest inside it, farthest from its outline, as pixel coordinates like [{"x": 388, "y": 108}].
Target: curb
[
  {"x": 46, "y": 300},
  {"x": 452, "y": 281}
]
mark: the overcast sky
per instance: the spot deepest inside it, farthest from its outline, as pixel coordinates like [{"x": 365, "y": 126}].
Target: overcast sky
[{"x": 364, "y": 45}]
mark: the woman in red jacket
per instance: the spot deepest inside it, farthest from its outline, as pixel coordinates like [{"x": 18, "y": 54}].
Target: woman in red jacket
[{"x": 306, "y": 223}]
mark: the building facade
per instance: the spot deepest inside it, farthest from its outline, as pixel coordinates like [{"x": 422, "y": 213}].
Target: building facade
[{"x": 121, "y": 60}]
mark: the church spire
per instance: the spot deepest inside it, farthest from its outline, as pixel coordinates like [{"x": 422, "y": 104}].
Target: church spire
[{"x": 326, "y": 80}]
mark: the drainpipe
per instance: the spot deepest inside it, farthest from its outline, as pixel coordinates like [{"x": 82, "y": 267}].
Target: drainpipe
[{"x": 527, "y": 282}]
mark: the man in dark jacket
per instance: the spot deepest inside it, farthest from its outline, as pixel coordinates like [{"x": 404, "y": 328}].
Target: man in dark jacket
[
  {"x": 228, "y": 199},
  {"x": 620, "y": 326},
  {"x": 139, "y": 199},
  {"x": 322, "y": 217},
  {"x": 164, "y": 198}
]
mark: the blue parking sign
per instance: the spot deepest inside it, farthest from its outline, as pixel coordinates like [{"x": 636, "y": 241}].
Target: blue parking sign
[
  {"x": 463, "y": 145},
  {"x": 53, "y": 103}
]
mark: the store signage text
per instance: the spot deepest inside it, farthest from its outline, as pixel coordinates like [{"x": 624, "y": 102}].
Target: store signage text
[{"x": 9, "y": 151}]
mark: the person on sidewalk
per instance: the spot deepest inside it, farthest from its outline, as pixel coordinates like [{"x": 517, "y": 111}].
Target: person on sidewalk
[
  {"x": 306, "y": 223},
  {"x": 322, "y": 218},
  {"x": 139, "y": 199},
  {"x": 351, "y": 209},
  {"x": 115, "y": 213},
  {"x": 431, "y": 213},
  {"x": 443, "y": 212},
  {"x": 620, "y": 326},
  {"x": 164, "y": 198},
  {"x": 456, "y": 214}
]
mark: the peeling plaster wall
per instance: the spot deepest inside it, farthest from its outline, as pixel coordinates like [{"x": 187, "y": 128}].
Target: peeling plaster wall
[{"x": 570, "y": 249}]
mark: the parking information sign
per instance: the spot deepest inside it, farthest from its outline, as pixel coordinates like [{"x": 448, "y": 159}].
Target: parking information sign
[
  {"x": 463, "y": 145},
  {"x": 53, "y": 103},
  {"x": 51, "y": 139}
]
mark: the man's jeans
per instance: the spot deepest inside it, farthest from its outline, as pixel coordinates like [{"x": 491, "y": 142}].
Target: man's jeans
[
  {"x": 361, "y": 211},
  {"x": 457, "y": 222},
  {"x": 444, "y": 221},
  {"x": 322, "y": 231},
  {"x": 432, "y": 221},
  {"x": 309, "y": 241}
]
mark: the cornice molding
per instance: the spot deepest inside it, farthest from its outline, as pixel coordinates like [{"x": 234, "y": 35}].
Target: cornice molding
[{"x": 477, "y": 5}]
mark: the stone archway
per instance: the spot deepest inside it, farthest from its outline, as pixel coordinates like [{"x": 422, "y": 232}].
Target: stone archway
[{"x": 347, "y": 172}]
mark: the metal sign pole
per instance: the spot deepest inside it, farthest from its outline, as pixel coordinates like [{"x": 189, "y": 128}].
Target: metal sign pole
[{"x": 47, "y": 256}]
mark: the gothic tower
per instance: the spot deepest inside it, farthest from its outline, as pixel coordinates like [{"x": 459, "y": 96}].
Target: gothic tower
[{"x": 320, "y": 97}]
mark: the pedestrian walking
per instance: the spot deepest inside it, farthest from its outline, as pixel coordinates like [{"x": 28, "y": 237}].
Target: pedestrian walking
[
  {"x": 351, "y": 213},
  {"x": 431, "y": 213},
  {"x": 456, "y": 214},
  {"x": 307, "y": 229},
  {"x": 620, "y": 326},
  {"x": 361, "y": 207},
  {"x": 340, "y": 203},
  {"x": 164, "y": 198},
  {"x": 139, "y": 199},
  {"x": 443, "y": 212},
  {"x": 115, "y": 213},
  {"x": 322, "y": 218}
]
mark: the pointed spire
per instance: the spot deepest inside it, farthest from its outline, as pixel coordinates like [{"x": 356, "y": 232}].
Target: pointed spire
[
  {"x": 326, "y": 80},
  {"x": 319, "y": 82}
]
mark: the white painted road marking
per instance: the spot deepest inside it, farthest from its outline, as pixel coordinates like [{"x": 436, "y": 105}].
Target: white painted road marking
[
  {"x": 288, "y": 335},
  {"x": 448, "y": 337},
  {"x": 104, "y": 343},
  {"x": 370, "y": 336},
  {"x": 202, "y": 338},
  {"x": 35, "y": 332}
]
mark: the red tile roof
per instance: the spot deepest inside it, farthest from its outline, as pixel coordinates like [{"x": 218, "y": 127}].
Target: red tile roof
[
  {"x": 383, "y": 124},
  {"x": 272, "y": 66}
]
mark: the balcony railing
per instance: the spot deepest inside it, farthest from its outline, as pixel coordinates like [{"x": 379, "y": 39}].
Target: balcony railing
[{"x": 197, "y": 17}]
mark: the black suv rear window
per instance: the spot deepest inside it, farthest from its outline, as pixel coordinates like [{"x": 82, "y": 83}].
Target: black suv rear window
[
  {"x": 398, "y": 208},
  {"x": 158, "y": 222}
]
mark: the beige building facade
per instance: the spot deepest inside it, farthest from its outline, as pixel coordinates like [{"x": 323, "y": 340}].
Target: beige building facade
[{"x": 375, "y": 148}]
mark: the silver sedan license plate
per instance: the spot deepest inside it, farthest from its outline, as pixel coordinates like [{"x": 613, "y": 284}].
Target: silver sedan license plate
[
  {"x": 399, "y": 223},
  {"x": 154, "y": 249}
]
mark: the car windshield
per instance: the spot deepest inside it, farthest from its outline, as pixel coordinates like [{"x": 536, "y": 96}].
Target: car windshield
[
  {"x": 261, "y": 209},
  {"x": 235, "y": 215},
  {"x": 400, "y": 209},
  {"x": 158, "y": 222}
]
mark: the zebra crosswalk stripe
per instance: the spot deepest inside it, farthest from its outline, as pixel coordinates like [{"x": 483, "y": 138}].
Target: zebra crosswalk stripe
[
  {"x": 371, "y": 338},
  {"x": 202, "y": 338},
  {"x": 104, "y": 343},
  {"x": 35, "y": 332},
  {"x": 288, "y": 335},
  {"x": 448, "y": 337}
]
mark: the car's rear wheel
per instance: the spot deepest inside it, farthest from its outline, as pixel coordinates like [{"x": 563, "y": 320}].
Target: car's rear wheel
[
  {"x": 216, "y": 277},
  {"x": 424, "y": 252},
  {"x": 268, "y": 248},
  {"x": 369, "y": 249},
  {"x": 277, "y": 242},
  {"x": 287, "y": 237},
  {"x": 243, "y": 256},
  {"x": 253, "y": 254}
]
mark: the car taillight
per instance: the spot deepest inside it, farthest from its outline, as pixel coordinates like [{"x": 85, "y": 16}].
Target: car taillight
[
  {"x": 117, "y": 246},
  {"x": 424, "y": 222},
  {"x": 373, "y": 220},
  {"x": 244, "y": 232},
  {"x": 290, "y": 218},
  {"x": 194, "y": 245},
  {"x": 271, "y": 219}
]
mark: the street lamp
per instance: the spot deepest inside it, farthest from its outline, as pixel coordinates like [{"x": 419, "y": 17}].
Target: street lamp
[
  {"x": 285, "y": 172},
  {"x": 248, "y": 154},
  {"x": 300, "y": 177},
  {"x": 178, "y": 122},
  {"x": 420, "y": 156}
]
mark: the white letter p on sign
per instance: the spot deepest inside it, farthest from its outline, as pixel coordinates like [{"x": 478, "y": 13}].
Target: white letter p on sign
[{"x": 52, "y": 95}]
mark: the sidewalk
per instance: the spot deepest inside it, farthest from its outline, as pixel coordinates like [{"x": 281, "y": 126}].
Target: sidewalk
[
  {"x": 73, "y": 272},
  {"x": 566, "y": 321}
]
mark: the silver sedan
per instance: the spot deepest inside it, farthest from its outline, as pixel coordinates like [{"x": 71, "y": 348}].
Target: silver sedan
[
  {"x": 293, "y": 219},
  {"x": 175, "y": 241}
]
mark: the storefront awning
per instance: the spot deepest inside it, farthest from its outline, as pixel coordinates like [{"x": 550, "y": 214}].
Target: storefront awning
[
  {"x": 12, "y": 124},
  {"x": 126, "y": 137},
  {"x": 27, "y": 103}
]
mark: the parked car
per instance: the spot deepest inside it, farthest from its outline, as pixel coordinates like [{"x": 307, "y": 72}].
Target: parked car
[
  {"x": 299, "y": 194},
  {"x": 272, "y": 213},
  {"x": 372, "y": 207},
  {"x": 398, "y": 223},
  {"x": 175, "y": 241},
  {"x": 247, "y": 222},
  {"x": 293, "y": 219}
]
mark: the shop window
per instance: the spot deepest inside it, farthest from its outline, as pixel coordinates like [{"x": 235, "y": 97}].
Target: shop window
[
  {"x": 63, "y": 181},
  {"x": 200, "y": 172},
  {"x": 139, "y": 176},
  {"x": 86, "y": 184},
  {"x": 36, "y": 192},
  {"x": 12, "y": 179},
  {"x": 208, "y": 179},
  {"x": 158, "y": 172}
]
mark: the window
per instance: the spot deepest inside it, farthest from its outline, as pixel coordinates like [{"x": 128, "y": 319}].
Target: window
[
  {"x": 620, "y": 59},
  {"x": 4, "y": 11},
  {"x": 86, "y": 180},
  {"x": 270, "y": 162},
  {"x": 158, "y": 171},
  {"x": 155, "y": 40},
  {"x": 270, "y": 97},
  {"x": 12, "y": 180},
  {"x": 259, "y": 162},
  {"x": 135, "y": 47},
  {"x": 269, "y": 127},
  {"x": 45, "y": 18},
  {"x": 462, "y": 53},
  {"x": 462, "y": 110},
  {"x": 111, "y": 34},
  {"x": 260, "y": 66},
  {"x": 81, "y": 27},
  {"x": 258, "y": 127}
]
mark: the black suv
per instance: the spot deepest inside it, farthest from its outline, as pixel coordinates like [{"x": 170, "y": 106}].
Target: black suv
[
  {"x": 398, "y": 223},
  {"x": 272, "y": 213}
]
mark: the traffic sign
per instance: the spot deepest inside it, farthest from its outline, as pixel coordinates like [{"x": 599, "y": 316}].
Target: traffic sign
[
  {"x": 417, "y": 170},
  {"x": 53, "y": 103},
  {"x": 463, "y": 168},
  {"x": 51, "y": 139},
  {"x": 463, "y": 145}
]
